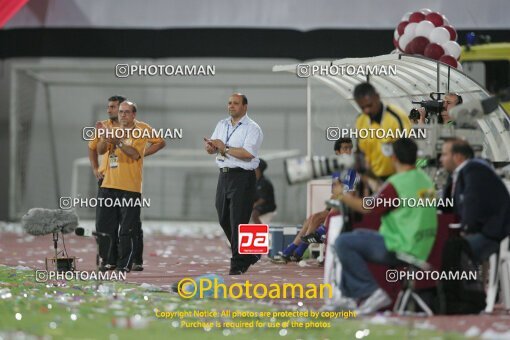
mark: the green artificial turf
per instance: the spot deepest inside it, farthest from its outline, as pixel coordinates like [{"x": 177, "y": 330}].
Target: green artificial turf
[{"x": 79, "y": 310}]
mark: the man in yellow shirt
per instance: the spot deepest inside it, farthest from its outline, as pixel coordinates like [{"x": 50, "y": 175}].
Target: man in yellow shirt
[
  {"x": 112, "y": 122},
  {"x": 122, "y": 185},
  {"x": 154, "y": 145},
  {"x": 376, "y": 115}
]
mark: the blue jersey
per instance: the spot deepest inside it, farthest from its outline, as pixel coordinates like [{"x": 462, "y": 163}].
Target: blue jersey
[{"x": 349, "y": 180}]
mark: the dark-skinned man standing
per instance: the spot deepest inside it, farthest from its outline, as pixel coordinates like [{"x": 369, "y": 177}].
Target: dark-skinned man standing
[{"x": 377, "y": 115}]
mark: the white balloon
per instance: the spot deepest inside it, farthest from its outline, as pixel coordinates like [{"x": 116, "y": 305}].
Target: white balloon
[
  {"x": 445, "y": 21},
  {"x": 426, "y": 11},
  {"x": 395, "y": 35},
  {"x": 406, "y": 16},
  {"x": 424, "y": 28},
  {"x": 439, "y": 35},
  {"x": 459, "y": 67},
  {"x": 452, "y": 48},
  {"x": 411, "y": 28},
  {"x": 404, "y": 40}
]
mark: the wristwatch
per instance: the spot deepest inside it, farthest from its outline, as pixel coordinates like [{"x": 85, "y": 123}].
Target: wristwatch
[{"x": 227, "y": 149}]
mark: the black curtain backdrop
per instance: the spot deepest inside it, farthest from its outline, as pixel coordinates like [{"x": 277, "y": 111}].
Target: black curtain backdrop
[{"x": 214, "y": 42}]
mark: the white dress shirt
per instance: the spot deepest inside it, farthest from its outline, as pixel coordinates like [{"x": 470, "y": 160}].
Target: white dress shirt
[{"x": 245, "y": 134}]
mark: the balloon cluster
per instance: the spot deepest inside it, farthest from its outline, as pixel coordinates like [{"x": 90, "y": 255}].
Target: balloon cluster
[{"x": 429, "y": 34}]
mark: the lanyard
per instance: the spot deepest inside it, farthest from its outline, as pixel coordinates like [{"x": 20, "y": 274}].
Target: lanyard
[{"x": 228, "y": 128}]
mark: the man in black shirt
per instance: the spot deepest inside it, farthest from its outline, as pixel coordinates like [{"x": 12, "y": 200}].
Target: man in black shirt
[{"x": 264, "y": 195}]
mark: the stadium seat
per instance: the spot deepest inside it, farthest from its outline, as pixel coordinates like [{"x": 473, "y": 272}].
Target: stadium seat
[{"x": 408, "y": 293}]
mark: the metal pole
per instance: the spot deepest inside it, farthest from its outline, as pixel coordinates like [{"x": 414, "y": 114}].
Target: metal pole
[
  {"x": 438, "y": 75},
  {"x": 53, "y": 145},
  {"x": 13, "y": 193},
  {"x": 308, "y": 118}
]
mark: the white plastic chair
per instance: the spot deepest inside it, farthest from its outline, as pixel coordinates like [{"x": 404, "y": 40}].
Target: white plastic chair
[{"x": 499, "y": 277}]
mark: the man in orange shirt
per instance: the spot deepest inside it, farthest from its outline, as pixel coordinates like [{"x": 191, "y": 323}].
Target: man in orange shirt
[
  {"x": 98, "y": 169},
  {"x": 113, "y": 122},
  {"x": 121, "y": 186}
]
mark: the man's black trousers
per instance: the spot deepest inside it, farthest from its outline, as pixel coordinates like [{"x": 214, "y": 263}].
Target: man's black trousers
[
  {"x": 235, "y": 196},
  {"x": 124, "y": 226}
]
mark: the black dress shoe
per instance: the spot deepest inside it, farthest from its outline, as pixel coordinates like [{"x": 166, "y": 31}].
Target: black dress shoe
[
  {"x": 106, "y": 267},
  {"x": 137, "y": 268},
  {"x": 236, "y": 271}
]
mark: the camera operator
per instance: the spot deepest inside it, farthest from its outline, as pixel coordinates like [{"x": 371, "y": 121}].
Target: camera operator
[{"x": 450, "y": 100}]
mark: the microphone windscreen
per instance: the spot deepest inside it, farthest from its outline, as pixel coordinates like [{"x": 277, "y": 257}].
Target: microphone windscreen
[
  {"x": 39, "y": 221},
  {"x": 79, "y": 231},
  {"x": 67, "y": 220}
]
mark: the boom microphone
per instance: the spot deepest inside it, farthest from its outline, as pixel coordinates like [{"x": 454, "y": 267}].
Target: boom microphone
[
  {"x": 40, "y": 221},
  {"x": 87, "y": 232}
]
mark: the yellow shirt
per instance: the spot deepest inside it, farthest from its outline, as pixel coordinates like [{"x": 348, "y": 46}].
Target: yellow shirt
[
  {"x": 393, "y": 118},
  {"x": 127, "y": 175},
  {"x": 108, "y": 124}
]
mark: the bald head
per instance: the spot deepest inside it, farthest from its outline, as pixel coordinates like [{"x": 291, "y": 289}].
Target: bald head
[
  {"x": 454, "y": 152},
  {"x": 237, "y": 105}
]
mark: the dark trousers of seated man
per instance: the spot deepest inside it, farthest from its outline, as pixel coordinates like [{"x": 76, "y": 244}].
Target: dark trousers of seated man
[
  {"x": 355, "y": 250},
  {"x": 123, "y": 224},
  {"x": 235, "y": 196},
  {"x": 482, "y": 247}
]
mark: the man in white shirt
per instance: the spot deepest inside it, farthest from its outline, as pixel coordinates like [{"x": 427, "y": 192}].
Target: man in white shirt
[{"x": 236, "y": 142}]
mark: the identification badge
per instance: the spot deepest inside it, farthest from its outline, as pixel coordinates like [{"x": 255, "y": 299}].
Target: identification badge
[
  {"x": 220, "y": 157},
  {"x": 387, "y": 149},
  {"x": 114, "y": 160}
]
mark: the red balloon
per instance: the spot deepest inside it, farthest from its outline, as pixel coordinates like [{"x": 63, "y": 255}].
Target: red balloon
[
  {"x": 433, "y": 51},
  {"x": 409, "y": 48},
  {"x": 435, "y": 18},
  {"x": 448, "y": 59},
  {"x": 453, "y": 32},
  {"x": 418, "y": 45},
  {"x": 416, "y": 17},
  {"x": 401, "y": 27}
]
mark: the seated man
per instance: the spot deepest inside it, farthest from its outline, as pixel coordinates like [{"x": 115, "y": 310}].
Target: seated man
[
  {"x": 264, "y": 195},
  {"x": 480, "y": 197},
  {"x": 403, "y": 229},
  {"x": 313, "y": 227}
]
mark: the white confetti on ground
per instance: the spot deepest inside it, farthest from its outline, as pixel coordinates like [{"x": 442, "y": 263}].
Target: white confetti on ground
[
  {"x": 472, "y": 332},
  {"x": 493, "y": 335}
]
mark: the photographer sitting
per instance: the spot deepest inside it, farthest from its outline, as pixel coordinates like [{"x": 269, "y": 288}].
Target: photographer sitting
[
  {"x": 450, "y": 100},
  {"x": 405, "y": 229}
]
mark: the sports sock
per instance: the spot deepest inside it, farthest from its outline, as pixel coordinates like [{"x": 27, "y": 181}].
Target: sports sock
[
  {"x": 301, "y": 249},
  {"x": 321, "y": 230},
  {"x": 290, "y": 249}
]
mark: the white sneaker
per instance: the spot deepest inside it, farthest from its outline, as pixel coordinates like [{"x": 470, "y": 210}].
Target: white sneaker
[
  {"x": 342, "y": 303},
  {"x": 379, "y": 299}
]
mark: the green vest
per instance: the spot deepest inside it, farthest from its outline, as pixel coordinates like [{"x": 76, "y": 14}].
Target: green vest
[{"x": 411, "y": 230}]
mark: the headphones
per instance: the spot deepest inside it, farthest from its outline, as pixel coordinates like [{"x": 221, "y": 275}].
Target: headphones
[{"x": 459, "y": 97}]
